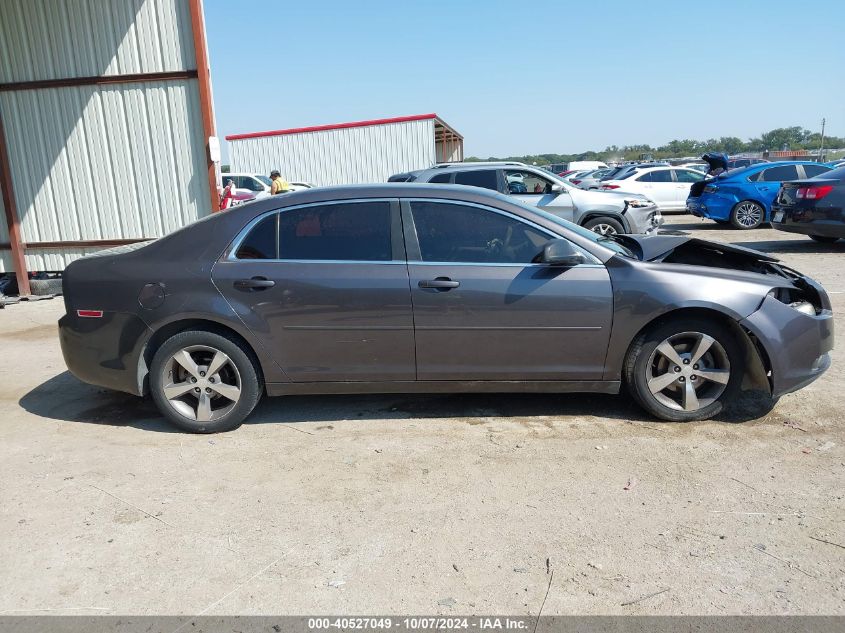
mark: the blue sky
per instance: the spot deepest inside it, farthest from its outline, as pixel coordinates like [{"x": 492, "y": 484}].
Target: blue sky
[{"x": 521, "y": 78}]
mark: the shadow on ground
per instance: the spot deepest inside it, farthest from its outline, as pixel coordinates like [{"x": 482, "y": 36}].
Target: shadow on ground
[{"x": 65, "y": 398}]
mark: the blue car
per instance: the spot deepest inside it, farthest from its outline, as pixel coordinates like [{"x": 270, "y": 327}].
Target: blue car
[{"x": 744, "y": 196}]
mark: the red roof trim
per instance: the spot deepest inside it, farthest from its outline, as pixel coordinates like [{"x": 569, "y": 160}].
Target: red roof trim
[{"x": 335, "y": 126}]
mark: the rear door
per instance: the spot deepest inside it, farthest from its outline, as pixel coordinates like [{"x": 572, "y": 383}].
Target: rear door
[
  {"x": 658, "y": 186},
  {"x": 325, "y": 288},
  {"x": 484, "y": 311},
  {"x": 768, "y": 182},
  {"x": 532, "y": 188}
]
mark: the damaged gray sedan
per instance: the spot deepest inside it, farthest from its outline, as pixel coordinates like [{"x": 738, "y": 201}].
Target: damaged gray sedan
[{"x": 426, "y": 288}]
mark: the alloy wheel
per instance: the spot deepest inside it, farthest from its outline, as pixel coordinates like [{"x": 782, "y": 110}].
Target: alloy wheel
[
  {"x": 749, "y": 214},
  {"x": 604, "y": 229},
  {"x": 688, "y": 371},
  {"x": 201, "y": 383}
]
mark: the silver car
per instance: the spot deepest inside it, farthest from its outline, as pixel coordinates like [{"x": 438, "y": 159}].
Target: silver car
[{"x": 606, "y": 213}]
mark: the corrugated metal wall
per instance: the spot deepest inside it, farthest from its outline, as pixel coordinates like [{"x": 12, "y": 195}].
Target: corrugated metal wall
[
  {"x": 59, "y": 39},
  {"x": 336, "y": 157},
  {"x": 115, "y": 161},
  {"x": 105, "y": 162}
]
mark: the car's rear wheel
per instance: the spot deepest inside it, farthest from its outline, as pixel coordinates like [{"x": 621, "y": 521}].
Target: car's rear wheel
[
  {"x": 604, "y": 226},
  {"x": 747, "y": 214},
  {"x": 823, "y": 239},
  {"x": 204, "y": 382},
  {"x": 685, "y": 369}
]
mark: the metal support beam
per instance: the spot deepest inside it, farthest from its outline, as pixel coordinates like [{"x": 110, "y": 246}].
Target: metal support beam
[
  {"x": 206, "y": 103},
  {"x": 12, "y": 219}
]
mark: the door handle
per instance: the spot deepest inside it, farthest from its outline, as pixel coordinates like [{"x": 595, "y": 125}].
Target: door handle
[
  {"x": 441, "y": 283},
  {"x": 254, "y": 284}
]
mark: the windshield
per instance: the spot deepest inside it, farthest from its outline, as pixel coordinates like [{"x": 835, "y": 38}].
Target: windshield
[
  {"x": 266, "y": 180},
  {"x": 606, "y": 241}
]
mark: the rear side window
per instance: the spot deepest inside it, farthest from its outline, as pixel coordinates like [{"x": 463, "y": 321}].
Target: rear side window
[
  {"x": 478, "y": 178},
  {"x": 441, "y": 179},
  {"x": 260, "y": 243},
  {"x": 357, "y": 231},
  {"x": 815, "y": 170},
  {"x": 778, "y": 174},
  {"x": 450, "y": 232},
  {"x": 686, "y": 175},
  {"x": 663, "y": 175}
]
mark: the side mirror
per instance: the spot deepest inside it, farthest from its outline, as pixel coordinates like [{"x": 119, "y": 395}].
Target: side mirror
[
  {"x": 561, "y": 252},
  {"x": 558, "y": 188}
]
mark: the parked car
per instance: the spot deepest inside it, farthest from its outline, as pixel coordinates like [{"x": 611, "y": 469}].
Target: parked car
[
  {"x": 736, "y": 163},
  {"x": 621, "y": 172},
  {"x": 697, "y": 166},
  {"x": 415, "y": 288},
  {"x": 256, "y": 185},
  {"x": 744, "y": 196},
  {"x": 813, "y": 206},
  {"x": 667, "y": 186},
  {"x": 575, "y": 178},
  {"x": 592, "y": 180},
  {"x": 603, "y": 212}
]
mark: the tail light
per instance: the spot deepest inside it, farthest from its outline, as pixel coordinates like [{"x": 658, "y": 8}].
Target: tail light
[
  {"x": 90, "y": 314},
  {"x": 610, "y": 186},
  {"x": 575, "y": 182},
  {"x": 814, "y": 192}
]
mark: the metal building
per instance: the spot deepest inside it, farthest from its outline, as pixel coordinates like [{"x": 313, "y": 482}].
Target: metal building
[
  {"x": 105, "y": 121},
  {"x": 348, "y": 153}
]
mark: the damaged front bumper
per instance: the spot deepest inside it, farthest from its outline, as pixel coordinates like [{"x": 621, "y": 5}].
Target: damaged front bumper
[{"x": 798, "y": 345}]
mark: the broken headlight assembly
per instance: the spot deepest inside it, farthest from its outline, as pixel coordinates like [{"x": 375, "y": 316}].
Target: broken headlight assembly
[
  {"x": 795, "y": 299},
  {"x": 638, "y": 203}
]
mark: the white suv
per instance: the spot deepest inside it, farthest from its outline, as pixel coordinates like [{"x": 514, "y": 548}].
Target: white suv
[{"x": 668, "y": 187}]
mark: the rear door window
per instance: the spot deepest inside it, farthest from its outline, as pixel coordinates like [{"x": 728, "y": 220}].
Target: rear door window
[
  {"x": 355, "y": 231},
  {"x": 260, "y": 242},
  {"x": 486, "y": 178},
  {"x": 779, "y": 174},
  {"x": 441, "y": 179}
]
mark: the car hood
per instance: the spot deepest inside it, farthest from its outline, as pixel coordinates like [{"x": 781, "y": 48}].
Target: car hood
[{"x": 658, "y": 247}]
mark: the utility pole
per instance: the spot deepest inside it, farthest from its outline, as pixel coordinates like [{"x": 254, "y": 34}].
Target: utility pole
[{"x": 821, "y": 147}]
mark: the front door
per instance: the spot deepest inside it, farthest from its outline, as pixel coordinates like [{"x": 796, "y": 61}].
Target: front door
[
  {"x": 483, "y": 311},
  {"x": 325, "y": 287},
  {"x": 536, "y": 190}
]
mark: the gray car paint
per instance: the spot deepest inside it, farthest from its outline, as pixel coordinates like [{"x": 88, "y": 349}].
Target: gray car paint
[{"x": 493, "y": 335}]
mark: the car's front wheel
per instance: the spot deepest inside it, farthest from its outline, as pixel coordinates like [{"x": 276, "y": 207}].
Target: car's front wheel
[
  {"x": 604, "y": 226},
  {"x": 204, "y": 382},
  {"x": 747, "y": 215},
  {"x": 685, "y": 369}
]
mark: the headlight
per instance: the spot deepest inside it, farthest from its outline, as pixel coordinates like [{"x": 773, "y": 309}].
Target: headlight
[
  {"x": 791, "y": 297},
  {"x": 638, "y": 203}
]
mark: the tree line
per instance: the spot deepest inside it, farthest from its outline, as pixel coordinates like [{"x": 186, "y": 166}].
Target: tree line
[{"x": 790, "y": 138}]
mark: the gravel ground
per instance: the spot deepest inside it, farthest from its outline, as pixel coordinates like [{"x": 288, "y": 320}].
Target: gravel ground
[{"x": 419, "y": 504}]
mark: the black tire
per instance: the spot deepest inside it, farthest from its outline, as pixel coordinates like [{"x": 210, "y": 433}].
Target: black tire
[
  {"x": 241, "y": 365},
  {"x": 611, "y": 225},
  {"x": 823, "y": 239},
  {"x": 742, "y": 212},
  {"x": 46, "y": 287},
  {"x": 643, "y": 353}
]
